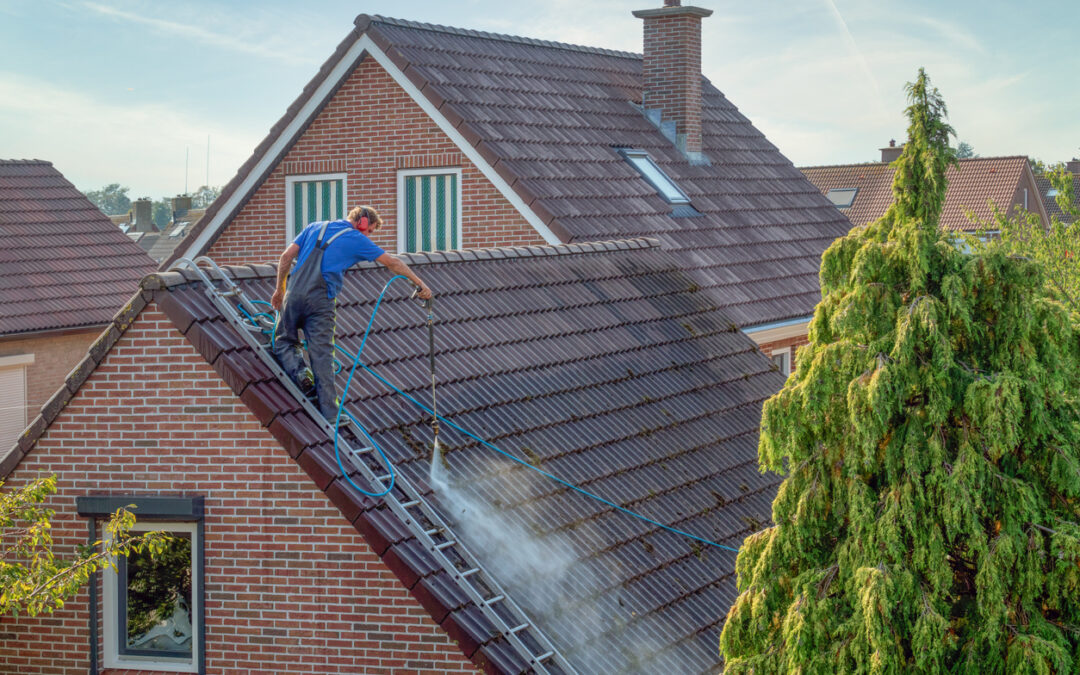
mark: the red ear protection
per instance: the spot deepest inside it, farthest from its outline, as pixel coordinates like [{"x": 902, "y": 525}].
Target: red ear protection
[{"x": 364, "y": 222}]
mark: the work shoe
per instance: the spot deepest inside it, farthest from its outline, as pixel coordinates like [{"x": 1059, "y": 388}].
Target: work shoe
[{"x": 305, "y": 379}]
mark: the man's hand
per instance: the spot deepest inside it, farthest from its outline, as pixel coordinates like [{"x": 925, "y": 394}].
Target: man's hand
[
  {"x": 278, "y": 299},
  {"x": 424, "y": 293}
]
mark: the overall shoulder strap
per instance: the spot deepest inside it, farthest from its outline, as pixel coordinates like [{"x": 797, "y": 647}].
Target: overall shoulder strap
[
  {"x": 335, "y": 236},
  {"x": 322, "y": 233}
]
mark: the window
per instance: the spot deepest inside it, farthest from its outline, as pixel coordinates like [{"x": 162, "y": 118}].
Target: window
[
  {"x": 1052, "y": 192},
  {"x": 654, "y": 175},
  {"x": 842, "y": 198},
  {"x": 13, "y": 397},
  {"x": 179, "y": 229},
  {"x": 782, "y": 359},
  {"x": 312, "y": 198},
  {"x": 429, "y": 210},
  {"x": 152, "y": 608}
]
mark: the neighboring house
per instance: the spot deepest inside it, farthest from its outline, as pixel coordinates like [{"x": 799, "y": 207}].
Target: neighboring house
[
  {"x": 465, "y": 139},
  {"x": 159, "y": 244},
  {"x": 1049, "y": 192},
  {"x": 863, "y": 192},
  {"x": 604, "y": 363},
  {"x": 64, "y": 271}
]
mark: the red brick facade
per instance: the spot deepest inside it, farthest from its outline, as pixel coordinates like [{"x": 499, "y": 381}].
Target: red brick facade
[
  {"x": 290, "y": 586},
  {"x": 369, "y": 130}
]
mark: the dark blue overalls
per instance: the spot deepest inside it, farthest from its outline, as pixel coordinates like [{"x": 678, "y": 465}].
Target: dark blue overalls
[{"x": 306, "y": 306}]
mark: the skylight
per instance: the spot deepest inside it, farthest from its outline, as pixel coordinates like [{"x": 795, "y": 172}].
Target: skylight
[
  {"x": 842, "y": 198},
  {"x": 179, "y": 229},
  {"x": 1053, "y": 192},
  {"x": 655, "y": 176}
]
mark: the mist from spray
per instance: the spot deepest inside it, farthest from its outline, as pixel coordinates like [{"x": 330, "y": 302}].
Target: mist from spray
[{"x": 563, "y": 592}]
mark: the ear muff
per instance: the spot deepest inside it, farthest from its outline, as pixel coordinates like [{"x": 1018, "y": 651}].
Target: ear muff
[{"x": 364, "y": 222}]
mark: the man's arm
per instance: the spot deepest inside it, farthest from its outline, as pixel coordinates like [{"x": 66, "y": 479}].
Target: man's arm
[
  {"x": 284, "y": 265},
  {"x": 396, "y": 266}
]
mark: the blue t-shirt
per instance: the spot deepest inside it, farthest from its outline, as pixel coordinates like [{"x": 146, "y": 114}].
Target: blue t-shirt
[{"x": 342, "y": 253}]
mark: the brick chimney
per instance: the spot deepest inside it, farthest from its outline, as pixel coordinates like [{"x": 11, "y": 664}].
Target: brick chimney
[
  {"x": 1073, "y": 165},
  {"x": 180, "y": 205},
  {"x": 142, "y": 211},
  {"x": 672, "y": 70},
  {"x": 891, "y": 153}
]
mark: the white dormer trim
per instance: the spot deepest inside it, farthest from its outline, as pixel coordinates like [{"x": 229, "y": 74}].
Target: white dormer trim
[{"x": 311, "y": 107}]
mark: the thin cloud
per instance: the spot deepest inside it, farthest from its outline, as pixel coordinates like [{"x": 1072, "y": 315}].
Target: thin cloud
[
  {"x": 94, "y": 142},
  {"x": 225, "y": 41},
  {"x": 854, "y": 46}
]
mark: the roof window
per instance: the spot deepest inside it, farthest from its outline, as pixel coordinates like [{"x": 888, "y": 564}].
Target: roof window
[
  {"x": 842, "y": 198},
  {"x": 655, "y": 176},
  {"x": 179, "y": 229},
  {"x": 1052, "y": 192}
]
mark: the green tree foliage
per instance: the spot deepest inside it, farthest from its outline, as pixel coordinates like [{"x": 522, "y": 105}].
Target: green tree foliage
[
  {"x": 112, "y": 200},
  {"x": 1056, "y": 247},
  {"x": 32, "y": 579},
  {"x": 931, "y": 439},
  {"x": 204, "y": 196},
  {"x": 161, "y": 213},
  {"x": 964, "y": 150}
]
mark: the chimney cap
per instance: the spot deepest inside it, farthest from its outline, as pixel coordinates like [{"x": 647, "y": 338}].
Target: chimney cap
[
  {"x": 892, "y": 142},
  {"x": 675, "y": 9}
]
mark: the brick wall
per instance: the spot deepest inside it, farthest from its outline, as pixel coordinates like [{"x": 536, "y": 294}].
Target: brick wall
[
  {"x": 369, "y": 130},
  {"x": 290, "y": 586},
  {"x": 672, "y": 72},
  {"x": 55, "y": 354},
  {"x": 792, "y": 343}
]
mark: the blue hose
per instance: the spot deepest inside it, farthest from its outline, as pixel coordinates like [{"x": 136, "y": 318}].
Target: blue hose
[{"x": 341, "y": 408}]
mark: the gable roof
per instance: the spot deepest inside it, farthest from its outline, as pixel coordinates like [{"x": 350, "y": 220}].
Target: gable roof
[
  {"x": 543, "y": 120},
  {"x": 603, "y": 363},
  {"x": 973, "y": 183},
  {"x": 63, "y": 264},
  {"x": 1052, "y": 208}
]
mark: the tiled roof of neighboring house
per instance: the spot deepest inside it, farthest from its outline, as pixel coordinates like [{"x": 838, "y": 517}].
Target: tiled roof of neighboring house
[
  {"x": 1052, "y": 208},
  {"x": 547, "y": 117},
  {"x": 603, "y": 363},
  {"x": 63, "y": 264},
  {"x": 160, "y": 245},
  {"x": 973, "y": 183}
]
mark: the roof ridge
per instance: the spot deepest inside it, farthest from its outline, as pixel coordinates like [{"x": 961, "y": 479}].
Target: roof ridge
[
  {"x": 465, "y": 32},
  {"x": 26, "y": 161},
  {"x": 171, "y": 278},
  {"x": 855, "y": 164}
]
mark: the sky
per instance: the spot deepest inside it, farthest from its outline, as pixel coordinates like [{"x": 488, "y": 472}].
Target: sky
[{"x": 135, "y": 91}]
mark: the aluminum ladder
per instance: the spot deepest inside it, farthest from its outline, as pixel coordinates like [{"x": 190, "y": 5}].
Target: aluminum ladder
[{"x": 422, "y": 520}]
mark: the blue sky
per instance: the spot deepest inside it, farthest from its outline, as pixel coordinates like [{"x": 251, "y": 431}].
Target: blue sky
[{"x": 119, "y": 90}]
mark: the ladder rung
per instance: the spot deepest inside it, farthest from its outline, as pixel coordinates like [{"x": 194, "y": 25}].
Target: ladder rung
[
  {"x": 543, "y": 657},
  {"x": 497, "y": 598},
  {"x": 469, "y": 573},
  {"x": 518, "y": 629},
  {"x": 363, "y": 451},
  {"x": 434, "y": 530},
  {"x": 409, "y": 505},
  {"x": 445, "y": 544},
  {"x": 382, "y": 478},
  {"x": 235, "y": 290}
]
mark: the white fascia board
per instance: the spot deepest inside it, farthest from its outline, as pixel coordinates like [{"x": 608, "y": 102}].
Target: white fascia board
[
  {"x": 466, "y": 148},
  {"x": 16, "y": 360},
  {"x": 340, "y": 70}
]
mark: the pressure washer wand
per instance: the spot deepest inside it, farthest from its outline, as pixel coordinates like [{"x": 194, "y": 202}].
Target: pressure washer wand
[{"x": 429, "y": 305}]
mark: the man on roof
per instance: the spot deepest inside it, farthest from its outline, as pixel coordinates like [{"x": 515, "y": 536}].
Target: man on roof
[{"x": 322, "y": 252}]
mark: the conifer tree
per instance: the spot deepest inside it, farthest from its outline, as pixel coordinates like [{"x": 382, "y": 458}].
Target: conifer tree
[{"x": 930, "y": 435}]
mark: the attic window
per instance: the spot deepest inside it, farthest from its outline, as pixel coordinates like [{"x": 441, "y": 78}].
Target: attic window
[
  {"x": 842, "y": 198},
  {"x": 655, "y": 176},
  {"x": 1052, "y": 192}
]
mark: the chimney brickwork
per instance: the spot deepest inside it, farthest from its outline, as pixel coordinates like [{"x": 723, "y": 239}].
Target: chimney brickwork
[
  {"x": 891, "y": 152},
  {"x": 1073, "y": 165},
  {"x": 142, "y": 212},
  {"x": 672, "y": 69}
]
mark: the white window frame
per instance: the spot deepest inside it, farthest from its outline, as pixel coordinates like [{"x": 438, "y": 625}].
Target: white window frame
[
  {"x": 431, "y": 171},
  {"x": 290, "y": 204},
  {"x": 23, "y": 363},
  {"x": 851, "y": 202},
  {"x": 785, "y": 366},
  {"x": 651, "y": 173},
  {"x": 110, "y": 609}
]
